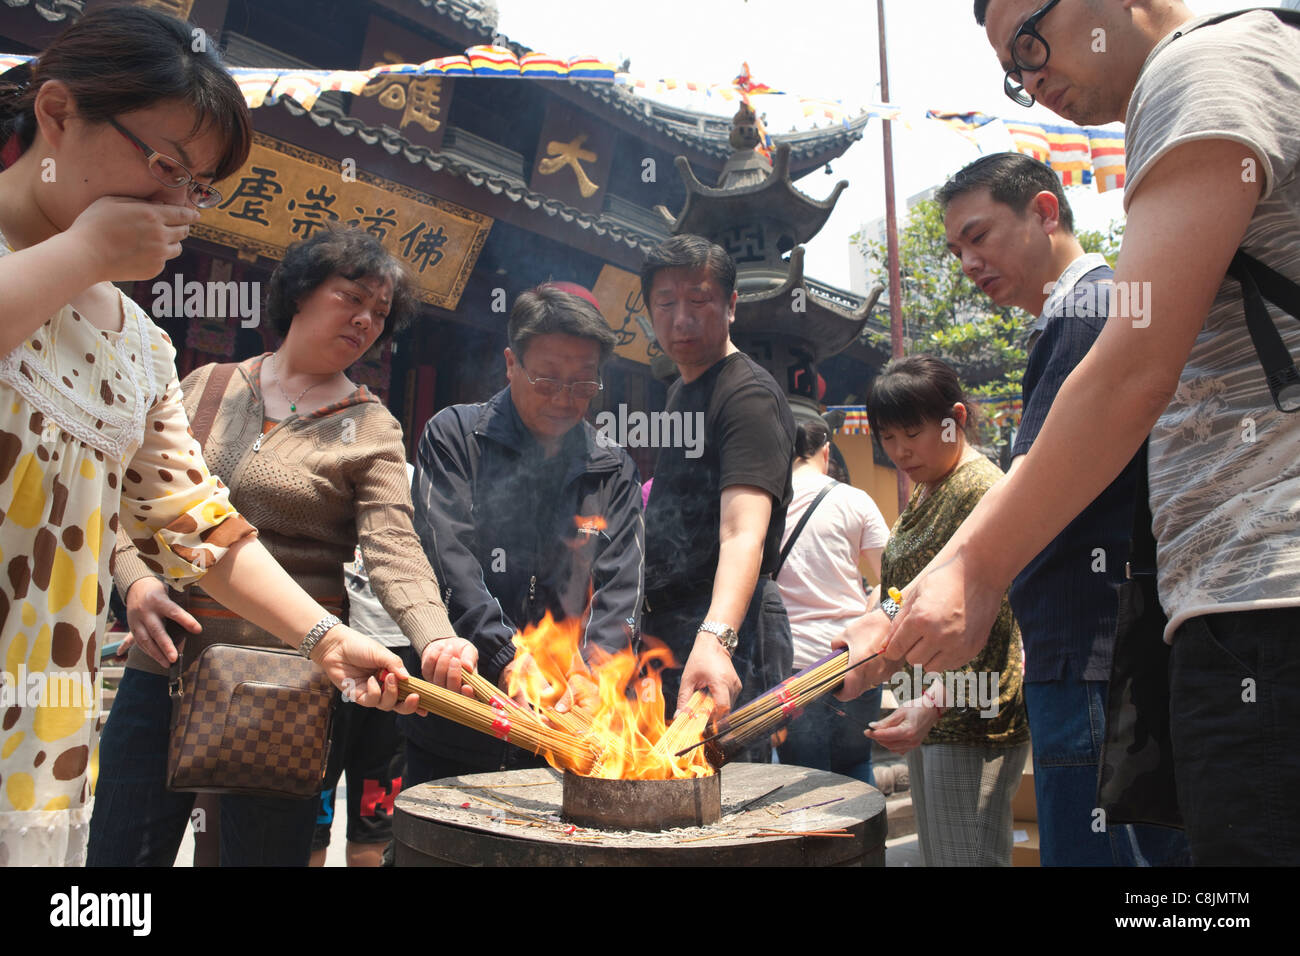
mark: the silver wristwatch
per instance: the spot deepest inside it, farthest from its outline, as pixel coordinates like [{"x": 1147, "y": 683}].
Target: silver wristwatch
[
  {"x": 323, "y": 627},
  {"x": 726, "y": 636}
]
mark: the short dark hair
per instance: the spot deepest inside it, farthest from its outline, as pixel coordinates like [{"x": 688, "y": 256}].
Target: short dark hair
[
  {"x": 548, "y": 310},
  {"x": 914, "y": 391},
  {"x": 688, "y": 252},
  {"x": 810, "y": 438},
  {"x": 341, "y": 250},
  {"x": 1013, "y": 179},
  {"x": 121, "y": 58},
  {"x": 981, "y": 11}
]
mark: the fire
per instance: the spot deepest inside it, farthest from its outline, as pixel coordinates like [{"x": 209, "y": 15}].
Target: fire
[{"x": 616, "y": 705}]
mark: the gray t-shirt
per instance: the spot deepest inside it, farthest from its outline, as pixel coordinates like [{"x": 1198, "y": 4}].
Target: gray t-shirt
[{"x": 1225, "y": 463}]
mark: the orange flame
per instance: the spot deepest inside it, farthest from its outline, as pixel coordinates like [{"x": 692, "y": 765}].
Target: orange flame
[{"x": 617, "y": 703}]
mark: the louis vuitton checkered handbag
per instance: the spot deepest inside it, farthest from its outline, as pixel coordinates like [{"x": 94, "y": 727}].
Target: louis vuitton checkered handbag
[{"x": 248, "y": 720}]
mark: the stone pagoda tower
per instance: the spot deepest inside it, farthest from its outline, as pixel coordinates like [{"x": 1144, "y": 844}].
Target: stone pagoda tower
[{"x": 786, "y": 322}]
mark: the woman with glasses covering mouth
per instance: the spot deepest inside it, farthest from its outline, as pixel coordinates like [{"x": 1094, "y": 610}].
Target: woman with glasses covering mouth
[
  {"x": 93, "y": 435},
  {"x": 318, "y": 464}
]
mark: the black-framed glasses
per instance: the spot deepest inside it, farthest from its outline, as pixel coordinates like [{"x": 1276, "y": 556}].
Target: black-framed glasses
[
  {"x": 171, "y": 173},
  {"x": 1029, "y": 51},
  {"x": 551, "y": 387}
]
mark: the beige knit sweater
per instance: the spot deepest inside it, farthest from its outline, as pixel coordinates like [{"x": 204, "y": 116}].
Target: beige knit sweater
[{"x": 316, "y": 485}]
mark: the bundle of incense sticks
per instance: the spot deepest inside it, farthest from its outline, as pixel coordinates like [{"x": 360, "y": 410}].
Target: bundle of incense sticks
[
  {"x": 574, "y": 722},
  {"x": 769, "y": 712},
  {"x": 688, "y": 726},
  {"x": 508, "y": 722}
]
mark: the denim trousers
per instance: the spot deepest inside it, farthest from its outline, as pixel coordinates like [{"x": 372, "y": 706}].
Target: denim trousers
[
  {"x": 1067, "y": 720},
  {"x": 1235, "y": 714},
  {"x": 137, "y": 821}
]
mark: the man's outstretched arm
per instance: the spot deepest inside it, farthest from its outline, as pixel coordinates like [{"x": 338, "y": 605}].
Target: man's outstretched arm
[{"x": 1185, "y": 221}]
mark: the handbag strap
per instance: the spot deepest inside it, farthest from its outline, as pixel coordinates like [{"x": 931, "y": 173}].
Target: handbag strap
[
  {"x": 210, "y": 401},
  {"x": 794, "y": 535},
  {"x": 204, "y": 416}
]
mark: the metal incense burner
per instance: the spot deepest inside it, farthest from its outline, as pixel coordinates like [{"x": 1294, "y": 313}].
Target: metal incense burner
[{"x": 646, "y": 805}]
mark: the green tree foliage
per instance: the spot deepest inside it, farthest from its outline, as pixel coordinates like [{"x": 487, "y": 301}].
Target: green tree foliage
[{"x": 944, "y": 314}]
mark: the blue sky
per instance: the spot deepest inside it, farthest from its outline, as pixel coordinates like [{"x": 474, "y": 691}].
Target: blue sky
[{"x": 938, "y": 59}]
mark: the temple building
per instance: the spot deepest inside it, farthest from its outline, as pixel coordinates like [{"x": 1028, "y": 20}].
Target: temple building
[{"x": 487, "y": 187}]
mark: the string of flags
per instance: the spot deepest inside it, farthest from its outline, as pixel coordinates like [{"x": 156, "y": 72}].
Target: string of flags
[
  {"x": 855, "y": 419},
  {"x": 1081, "y": 155}
]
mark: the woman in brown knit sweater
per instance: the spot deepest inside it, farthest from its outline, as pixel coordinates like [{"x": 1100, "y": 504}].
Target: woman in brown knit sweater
[{"x": 316, "y": 464}]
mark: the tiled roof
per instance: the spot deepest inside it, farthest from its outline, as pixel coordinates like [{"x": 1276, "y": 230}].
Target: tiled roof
[{"x": 494, "y": 181}]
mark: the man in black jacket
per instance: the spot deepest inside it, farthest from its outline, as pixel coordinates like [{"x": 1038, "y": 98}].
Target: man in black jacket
[{"x": 523, "y": 511}]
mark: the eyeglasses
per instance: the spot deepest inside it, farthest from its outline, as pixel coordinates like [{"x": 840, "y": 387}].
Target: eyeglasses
[
  {"x": 1029, "y": 51},
  {"x": 551, "y": 387},
  {"x": 171, "y": 173}
]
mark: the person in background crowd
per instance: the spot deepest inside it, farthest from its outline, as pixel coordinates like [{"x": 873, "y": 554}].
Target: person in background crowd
[
  {"x": 714, "y": 522},
  {"x": 1212, "y": 154},
  {"x": 498, "y": 487},
  {"x": 965, "y": 734},
  {"x": 821, "y": 586},
  {"x": 367, "y": 746},
  {"x": 92, "y": 433},
  {"x": 1008, "y": 221},
  {"x": 317, "y": 462}
]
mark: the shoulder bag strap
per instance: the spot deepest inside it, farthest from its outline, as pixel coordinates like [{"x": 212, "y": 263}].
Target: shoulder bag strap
[
  {"x": 213, "y": 391},
  {"x": 794, "y": 535}
]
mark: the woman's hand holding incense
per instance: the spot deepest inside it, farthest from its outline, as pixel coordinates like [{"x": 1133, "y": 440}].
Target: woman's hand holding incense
[
  {"x": 352, "y": 662},
  {"x": 709, "y": 668},
  {"x": 906, "y": 727},
  {"x": 444, "y": 660},
  {"x": 864, "y": 637}
]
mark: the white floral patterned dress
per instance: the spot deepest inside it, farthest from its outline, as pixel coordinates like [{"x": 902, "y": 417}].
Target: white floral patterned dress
[{"x": 92, "y": 433}]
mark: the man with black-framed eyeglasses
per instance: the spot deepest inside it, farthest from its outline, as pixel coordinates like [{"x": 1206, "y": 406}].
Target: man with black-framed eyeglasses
[
  {"x": 1213, "y": 167},
  {"x": 523, "y": 511}
]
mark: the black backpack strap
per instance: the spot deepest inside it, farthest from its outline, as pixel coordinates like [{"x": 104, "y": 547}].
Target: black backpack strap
[
  {"x": 794, "y": 535},
  {"x": 1258, "y": 282}
]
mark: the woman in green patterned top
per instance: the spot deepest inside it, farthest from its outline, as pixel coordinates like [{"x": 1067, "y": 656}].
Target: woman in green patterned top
[{"x": 970, "y": 724}]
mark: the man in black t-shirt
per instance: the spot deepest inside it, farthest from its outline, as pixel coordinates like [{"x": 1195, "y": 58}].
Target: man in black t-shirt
[{"x": 715, "y": 515}]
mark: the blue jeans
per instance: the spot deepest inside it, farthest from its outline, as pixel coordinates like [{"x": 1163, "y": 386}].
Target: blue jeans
[
  {"x": 137, "y": 821},
  {"x": 1235, "y": 709},
  {"x": 1067, "y": 721},
  {"x": 822, "y": 739}
]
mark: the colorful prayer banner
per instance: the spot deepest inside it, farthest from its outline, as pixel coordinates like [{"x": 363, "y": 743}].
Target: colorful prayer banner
[{"x": 855, "y": 419}]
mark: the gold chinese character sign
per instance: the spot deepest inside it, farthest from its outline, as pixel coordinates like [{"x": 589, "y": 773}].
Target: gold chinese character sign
[{"x": 285, "y": 193}]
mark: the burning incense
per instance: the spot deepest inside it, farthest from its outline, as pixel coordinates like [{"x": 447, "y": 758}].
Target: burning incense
[
  {"x": 527, "y": 734},
  {"x": 688, "y": 726},
  {"x": 769, "y": 712}
]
